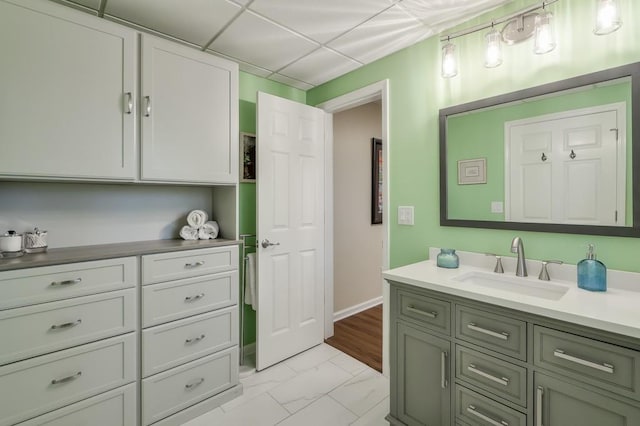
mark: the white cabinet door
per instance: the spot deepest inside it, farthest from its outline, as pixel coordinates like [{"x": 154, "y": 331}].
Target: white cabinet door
[
  {"x": 67, "y": 79},
  {"x": 189, "y": 110}
]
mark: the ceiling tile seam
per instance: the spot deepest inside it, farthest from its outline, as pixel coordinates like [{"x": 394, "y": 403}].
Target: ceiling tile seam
[
  {"x": 284, "y": 27},
  {"x": 296, "y": 79},
  {"x": 240, "y": 61},
  {"x": 227, "y": 25},
  {"x": 278, "y": 71},
  {"x": 77, "y": 6}
]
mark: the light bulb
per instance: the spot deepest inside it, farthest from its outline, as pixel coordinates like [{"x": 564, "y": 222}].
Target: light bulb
[
  {"x": 449, "y": 60},
  {"x": 607, "y": 17},
  {"x": 493, "y": 54},
  {"x": 544, "y": 40}
]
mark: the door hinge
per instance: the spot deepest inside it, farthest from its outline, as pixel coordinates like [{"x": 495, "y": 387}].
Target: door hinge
[{"x": 616, "y": 216}]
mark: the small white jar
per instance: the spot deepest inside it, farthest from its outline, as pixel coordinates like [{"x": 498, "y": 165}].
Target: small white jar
[{"x": 11, "y": 242}]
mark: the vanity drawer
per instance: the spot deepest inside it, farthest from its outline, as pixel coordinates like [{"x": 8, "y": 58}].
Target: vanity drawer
[
  {"x": 163, "y": 267},
  {"x": 475, "y": 409},
  {"x": 25, "y": 287},
  {"x": 113, "y": 408},
  {"x": 169, "y": 392},
  {"x": 499, "y": 377},
  {"x": 496, "y": 332},
  {"x": 598, "y": 363},
  {"x": 431, "y": 313},
  {"x": 45, "y": 383},
  {"x": 179, "y": 299},
  {"x": 178, "y": 342},
  {"x": 39, "y": 329}
]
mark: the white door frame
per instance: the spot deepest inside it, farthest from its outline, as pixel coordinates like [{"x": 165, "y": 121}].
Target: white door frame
[{"x": 373, "y": 92}]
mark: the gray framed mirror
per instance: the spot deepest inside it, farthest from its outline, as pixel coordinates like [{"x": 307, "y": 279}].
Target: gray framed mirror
[{"x": 561, "y": 157}]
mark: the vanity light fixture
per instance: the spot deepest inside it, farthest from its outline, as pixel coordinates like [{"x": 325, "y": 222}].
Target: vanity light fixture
[
  {"x": 493, "y": 54},
  {"x": 607, "y": 17},
  {"x": 544, "y": 40},
  {"x": 449, "y": 60}
]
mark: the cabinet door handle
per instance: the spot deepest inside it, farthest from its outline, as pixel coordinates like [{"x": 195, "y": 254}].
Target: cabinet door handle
[
  {"x": 66, "y": 282},
  {"x": 66, "y": 379},
  {"x": 194, "y": 298},
  {"x": 607, "y": 368},
  {"x": 471, "y": 409},
  {"x": 432, "y": 314},
  {"x": 128, "y": 103},
  {"x": 194, "y": 264},
  {"x": 498, "y": 335},
  {"x": 67, "y": 324},
  {"x": 194, "y": 384},
  {"x": 147, "y": 107},
  {"x": 539, "y": 395},
  {"x": 195, "y": 339},
  {"x": 443, "y": 370},
  {"x": 502, "y": 380}
]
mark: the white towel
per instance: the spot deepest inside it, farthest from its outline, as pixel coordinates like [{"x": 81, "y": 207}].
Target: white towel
[
  {"x": 250, "y": 295},
  {"x": 209, "y": 231},
  {"x": 189, "y": 233},
  {"x": 197, "y": 218}
]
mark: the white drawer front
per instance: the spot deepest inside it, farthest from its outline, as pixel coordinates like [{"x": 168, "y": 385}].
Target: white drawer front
[
  {"x": 163, "y": 267},
  {"x": 181, "y": 387},
  {"x": 45, "y": 383},
  {"x": 38, "y": 285},
  {"x": 179, "y": 299},
  {"x": 113, "y": 408},
  {"x": 39, "y": 329},
  {"x": 172, "y": 344}
]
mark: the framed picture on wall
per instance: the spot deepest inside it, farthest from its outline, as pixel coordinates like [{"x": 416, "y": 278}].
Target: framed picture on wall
[
  {"x": 247, "y": 157},
  {"x": 472, "y": 172},
  {"x": 376, "y": 181}
]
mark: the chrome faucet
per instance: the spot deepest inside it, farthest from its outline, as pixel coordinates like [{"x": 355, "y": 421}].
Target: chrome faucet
[{"x": 518, "y": 247}]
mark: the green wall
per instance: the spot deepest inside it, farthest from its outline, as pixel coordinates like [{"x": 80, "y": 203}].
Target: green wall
[
  {"x": 250, "y": 85},
  {"x": 417, "y": 92}
]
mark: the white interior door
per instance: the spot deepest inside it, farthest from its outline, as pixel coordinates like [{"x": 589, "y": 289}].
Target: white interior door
[{"x": 290, "y": 210}]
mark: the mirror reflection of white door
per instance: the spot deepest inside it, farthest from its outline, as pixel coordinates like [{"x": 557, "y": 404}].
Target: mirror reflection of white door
[
  {"x": 567, "y": 168},
  {"x": 290, "y": 210}
]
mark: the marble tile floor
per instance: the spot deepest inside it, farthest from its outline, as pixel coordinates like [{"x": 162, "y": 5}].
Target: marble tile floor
[{"x": 319, "y": 387}]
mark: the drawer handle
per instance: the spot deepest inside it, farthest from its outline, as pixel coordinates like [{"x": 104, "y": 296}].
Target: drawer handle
[
  {"x": 66, "y": 379},
  {"x": 501, "y": 380},
  {"x": 66, "y": 324},
  {"x": 607, "y": 368},
  {"x": 128, "y": 105},
  {"x": 194, "y": 298},
  {"x": 443, "y": 370},
  {"x": 472, "y": 410},
  {"x": 67, "y": 282},
  {"x": 195, "y": 339},
  {"x": 194, "y": 384},
  {"x": 499, "y": 335},
  {"x": 194, "y": 264},
  {"x": 539, "y": 395},
  {"x": 411, "y": 308},
  {"x": 147, "y": 108}
]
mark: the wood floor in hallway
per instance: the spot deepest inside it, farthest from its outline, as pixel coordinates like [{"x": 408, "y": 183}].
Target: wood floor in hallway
[{"x": 360, "y": 336}]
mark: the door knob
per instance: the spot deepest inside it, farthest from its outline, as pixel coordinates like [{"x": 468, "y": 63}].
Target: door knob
[{"x": 266, "y": 243}]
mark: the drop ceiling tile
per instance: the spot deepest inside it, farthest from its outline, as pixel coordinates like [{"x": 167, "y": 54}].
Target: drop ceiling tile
[
  {"x": 320, "y": 66},
  {"x": 442, "y": 14},
  {"x": 388, "y": 32},
  {"x": 260, "y": 42},
  {"x": 290, "y": 82},
  {"x": 243, "y": 66},
  {"x": 195, "y": 21},
  {"x": 320, "y": 21}
]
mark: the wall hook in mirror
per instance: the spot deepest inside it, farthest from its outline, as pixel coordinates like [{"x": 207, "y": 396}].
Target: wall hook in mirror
[
  {"x": 572, "y": 155},
  {"x": 544, "y": 157}
]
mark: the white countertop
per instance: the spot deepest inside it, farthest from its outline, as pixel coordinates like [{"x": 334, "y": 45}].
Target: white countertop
[{"x": 617, "y": 310}]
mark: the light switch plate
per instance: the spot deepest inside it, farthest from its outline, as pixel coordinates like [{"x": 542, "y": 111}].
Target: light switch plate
[
  {"x": 405, "y": 215},
  {"x": 497, "y": 207}
]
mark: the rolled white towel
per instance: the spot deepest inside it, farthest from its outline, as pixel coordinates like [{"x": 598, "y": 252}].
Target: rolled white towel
[
  {"x": 197, "y": 218},
  {"x": 189, "y": 233},
  {"x": 209, "y": 231}
]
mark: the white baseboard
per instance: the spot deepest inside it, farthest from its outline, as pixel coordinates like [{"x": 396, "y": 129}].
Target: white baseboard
[{"x": 337, "y": 316}]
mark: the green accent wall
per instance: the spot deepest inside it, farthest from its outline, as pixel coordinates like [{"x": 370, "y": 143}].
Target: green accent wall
[
  {"x": 250, "y": 85},
  {"x": 417, "y": 92}
]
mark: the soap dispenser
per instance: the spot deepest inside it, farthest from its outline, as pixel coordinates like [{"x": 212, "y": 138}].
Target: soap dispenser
[{"x": 592, "y": 274}]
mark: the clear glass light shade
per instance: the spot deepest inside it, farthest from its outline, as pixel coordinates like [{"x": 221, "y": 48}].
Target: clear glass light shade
[
  {"x": 449, "y": 60},
  {"x": 607, "y": 17},
  {"x": 544, "y": 40},
  {"x": 493, "y": 54}
]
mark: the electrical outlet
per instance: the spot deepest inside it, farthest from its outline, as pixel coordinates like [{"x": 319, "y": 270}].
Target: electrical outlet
[{"x": 405, "y": 215}]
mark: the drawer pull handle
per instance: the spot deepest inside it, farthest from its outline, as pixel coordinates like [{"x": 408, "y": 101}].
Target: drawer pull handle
[
  {"x": 195, "y": 339},
  {"x": 67, "y": 282},
  {"x": 194, "y": 264},
  {"x": 66, "y": 324},
  {"x": 147, "y": 108},
  {"x": 411, "y": 308},
  {"x": 607, "y": 368},
  {"x": 501, "y": 380},
  {"x": 194, "y": 384},
  {"x": 194, "y": 298},
  {"x": 539, "y": 395},
  {"x": 472, "y": 410},
  {"x": 443, "y": 370},
  {"x": 498, "y": 335},
  {"x": 66, "y": 379},
  {"x": 128, "y": 105}
]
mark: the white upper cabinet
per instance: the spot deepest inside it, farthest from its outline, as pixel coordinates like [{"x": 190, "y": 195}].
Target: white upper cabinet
[
  {"x": 189, "y": 115},
  {"x": 67, "y": 94}
]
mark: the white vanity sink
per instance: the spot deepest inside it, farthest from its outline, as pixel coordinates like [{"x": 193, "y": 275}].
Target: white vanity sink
[{"x": 512, "y": 284}]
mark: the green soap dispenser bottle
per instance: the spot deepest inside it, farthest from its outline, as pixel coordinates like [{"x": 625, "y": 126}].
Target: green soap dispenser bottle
[{"x": 592, "y": 274}]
